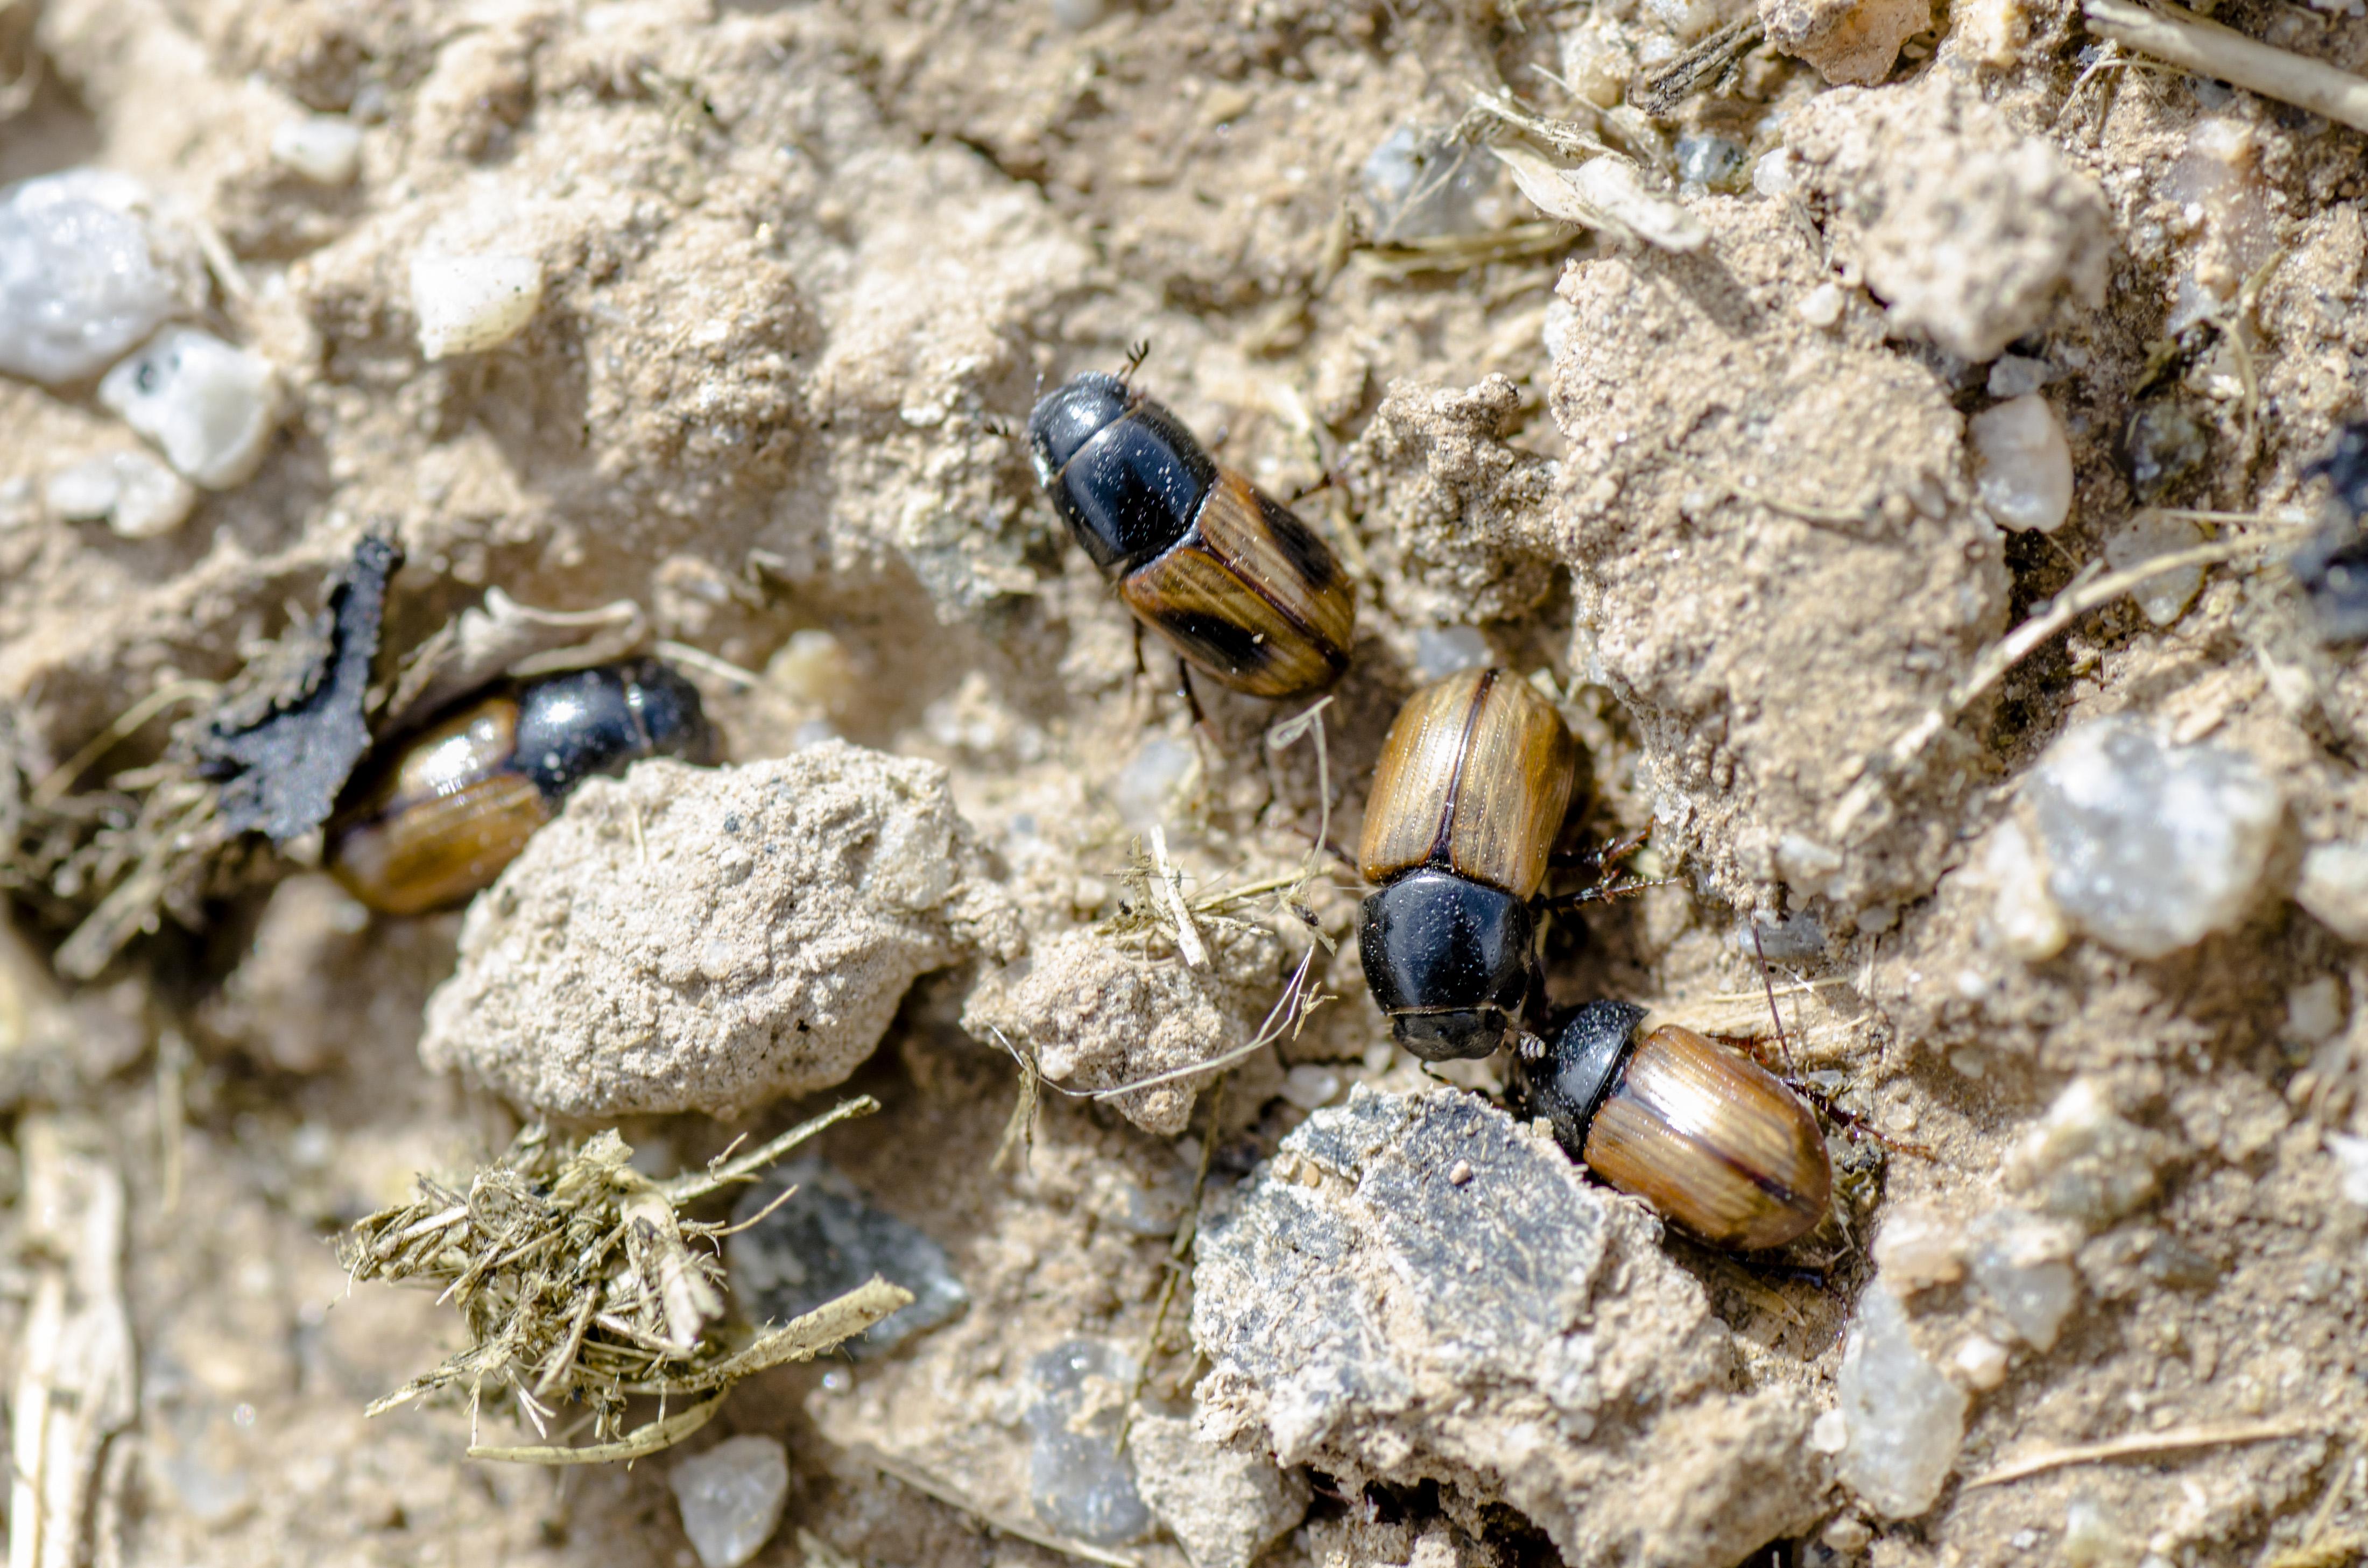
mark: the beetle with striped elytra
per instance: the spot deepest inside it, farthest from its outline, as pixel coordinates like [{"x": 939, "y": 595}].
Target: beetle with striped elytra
[
  {"x": 436, "y": 817},
  {"x": 1233, "y": 579}
]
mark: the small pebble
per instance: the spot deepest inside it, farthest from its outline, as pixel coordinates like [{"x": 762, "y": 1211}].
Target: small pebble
[
  {"x": 2166, "y": 595},
  {"x": 826, "y": 1239},
  {"x": 2013, "y": 376},
  {"x": 1311, "y": 1087},
  {"x": 1849, "y": 1535},
  {"x": 2023, "y": 911},
  {"x": 1829, "y": 1433},
  {"x": 80, "y": 280},
  {"x": 1794, "y": 937},
  {"x": 2334, "y": 887},
  {"x": 130, "y": 492},
  {"x": 2150, "y": 847},
  {"x": 1980, "y": 1361},
  {"x": 323, "y": 148},
  {"x": 1076, "y": 15},
  {"x": 210, "y": 407},
  {"x": 2315, "y": 1011},
  {"x": 1715, "y": 162},
  {"x": 465, "y": 305},
  {"x": 731, "y": 1498},
  {"x": 1917, "y": 1249},
  {"x": 2023, "y": 464},
  {"x": 2093, "y": 1537},
  {"x": 1822, "y": 306},
  {"x": 2023, "y": 1265},
  {"x": 1078, "y": 1481},
  {"x": 2083, "y": 1160},
  {"x": 1847, "y": 40},
  {"x": 1906, "y": 1420},
  {"x": 2351, "y": 1164},
  {"x": 1424, "y": 184},
  {"x": 2164, "y": 444},
  {"x": 1442, "y": 651},
  {"x": 1460, "y": 1173},
  {"x": 1596, "y": 60},
  {"x": 1777, "y": 174}
]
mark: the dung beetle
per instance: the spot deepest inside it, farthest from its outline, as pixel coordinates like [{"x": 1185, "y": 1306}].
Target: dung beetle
[
  {"x": 1229, "y": 575},
  {"x": 1474, "y": 779},
  {"x": 438, "y": 815},
  {"x": 1716, "y": 1143}
]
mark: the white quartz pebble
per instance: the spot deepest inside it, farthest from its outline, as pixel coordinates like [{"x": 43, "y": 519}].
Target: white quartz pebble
[
  {"x": 1905, "y": 1420},
  {"x": 212, "y": 408},
  {"x": 731, "y": 1498},
  {"x": 2334, "y": 887},
  {"x": 2023, "y": 464},
  {"x": 465, "y": 305},
  {"x": 2150, "y": 847},
  {"x": 80, "y": 280},
  {"x": 1980, "y": 1362},
  {"x": 132, "y": 492},
  {"x": 323, "y": 148}
]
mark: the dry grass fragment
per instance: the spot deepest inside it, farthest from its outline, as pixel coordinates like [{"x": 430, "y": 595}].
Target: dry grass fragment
[
  {"x": 2140, "y": 1446},
  {"x": 582, "y": 1284},
  {"x": 2208, "y": 49}
]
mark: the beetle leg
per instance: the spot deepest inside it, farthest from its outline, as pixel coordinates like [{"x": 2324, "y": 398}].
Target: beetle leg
[
  {"x": 1191, "y": 699},
  {"x": 1603, "y": 892},
  {"x": 1857, "y": 1126}
]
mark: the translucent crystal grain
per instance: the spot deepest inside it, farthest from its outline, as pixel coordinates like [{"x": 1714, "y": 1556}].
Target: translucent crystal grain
[
  {"x": 1906, "y": 1420},
  {"x": 1077, "y": 1481},
  {"x": 2023, "y": 464},
  {"x": 2022, "y": 1265},
  {"x": 731, "y": 1498},
  {"x": 2150, "y": 847}
]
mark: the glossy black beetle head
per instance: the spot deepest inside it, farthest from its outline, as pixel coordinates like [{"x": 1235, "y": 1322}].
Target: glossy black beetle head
[
  {"x": 1121, "y": 470},
  {"x": 1566, "y": 1081},
  {"x": 1451, "y": 960}
]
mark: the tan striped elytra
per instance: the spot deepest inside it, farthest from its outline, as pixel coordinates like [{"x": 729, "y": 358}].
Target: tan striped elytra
[
  {"x": 443, "y": 849},
  {"x": 1713, "y": 1141},
  {"x": 1474, "y": 779},
  {"x": 444, "y": 823},
  {"x": 1250, "y": 595}
]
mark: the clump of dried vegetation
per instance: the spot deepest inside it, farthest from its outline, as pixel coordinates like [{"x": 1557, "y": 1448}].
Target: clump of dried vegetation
[{"x": 585, "y": 1287}]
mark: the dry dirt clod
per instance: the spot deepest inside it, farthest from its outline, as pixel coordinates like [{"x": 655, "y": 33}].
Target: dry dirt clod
[
  {"x": 1847, "y": 40},
  {"x": 1776, "y": 559},
  {"x": 1971, "y": 234},
  {"x": 712, "y": 939},
  {"x": 1369, "y": 1317},
  {"x": 1099, "y": 1013}
]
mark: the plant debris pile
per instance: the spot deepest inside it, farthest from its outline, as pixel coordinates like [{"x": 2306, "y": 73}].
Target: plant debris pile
[{"x": 583, "y": 1285}]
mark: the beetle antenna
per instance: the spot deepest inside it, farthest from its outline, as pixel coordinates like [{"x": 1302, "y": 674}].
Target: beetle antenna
[
  {"x": 1136, "y": 354},
  {"x": 1760, "y": 952}
]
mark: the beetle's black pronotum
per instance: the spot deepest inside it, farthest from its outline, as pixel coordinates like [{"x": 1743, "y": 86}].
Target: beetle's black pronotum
[
  {"x": 1228, "y": 574},
  {"x": 438, "y": 815}
]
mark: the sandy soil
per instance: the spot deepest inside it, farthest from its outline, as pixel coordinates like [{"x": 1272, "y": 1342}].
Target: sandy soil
[{"x": 807, "y": 266}]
